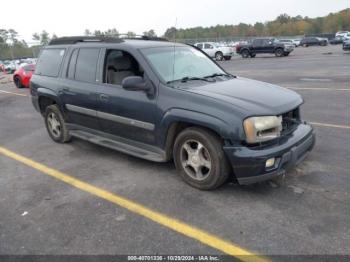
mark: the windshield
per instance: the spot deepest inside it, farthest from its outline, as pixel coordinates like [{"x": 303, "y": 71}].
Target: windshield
[{"x": 176, "y": 63}]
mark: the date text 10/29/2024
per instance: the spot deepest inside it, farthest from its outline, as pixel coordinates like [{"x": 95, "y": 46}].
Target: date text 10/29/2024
[{"x": 174, "y": 258}]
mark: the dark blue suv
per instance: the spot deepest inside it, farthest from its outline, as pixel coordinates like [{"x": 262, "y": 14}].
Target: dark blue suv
[{"x": 161, "y": 101}]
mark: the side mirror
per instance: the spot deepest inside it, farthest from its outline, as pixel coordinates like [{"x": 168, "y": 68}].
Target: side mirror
[{"x": 134, "y": 83}]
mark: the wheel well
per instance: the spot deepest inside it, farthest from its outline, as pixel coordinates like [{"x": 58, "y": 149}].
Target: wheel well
[
  {"x": 174, "y": 130},
  {"x": 45, "y": 102}
]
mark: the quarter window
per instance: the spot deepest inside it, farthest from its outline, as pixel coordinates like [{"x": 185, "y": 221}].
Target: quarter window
[{"x": 49, "y": 62}]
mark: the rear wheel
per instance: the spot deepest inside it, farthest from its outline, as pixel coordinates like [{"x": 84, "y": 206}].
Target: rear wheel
[
  {"x": 56, "y": 125},
  {"x": 17, "y": 81},
  {"x": 200, "y": 159},
  {"x": 279, "y": 52},
  {"x": 219, "y": 56},
  {"x": 245, "y": 53}
]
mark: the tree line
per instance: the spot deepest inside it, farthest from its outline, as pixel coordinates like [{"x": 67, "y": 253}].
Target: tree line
[
  {"x": 12, "y": 47},
  {"x": 283, "y": 25}
]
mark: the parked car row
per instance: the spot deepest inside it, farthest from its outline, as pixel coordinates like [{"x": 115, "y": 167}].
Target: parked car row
[{"x": 10, "y": 66}]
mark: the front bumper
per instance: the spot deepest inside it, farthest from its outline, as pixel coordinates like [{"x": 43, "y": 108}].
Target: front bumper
[
  {"x": 249, "y": 164},
  {"x": 288, "y": 49}
]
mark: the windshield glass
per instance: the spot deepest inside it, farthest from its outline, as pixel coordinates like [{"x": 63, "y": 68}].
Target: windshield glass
[{"x": 176, "y": 63}]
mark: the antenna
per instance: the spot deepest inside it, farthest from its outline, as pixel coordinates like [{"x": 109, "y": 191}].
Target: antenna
[{"x": 174, "y": 49}]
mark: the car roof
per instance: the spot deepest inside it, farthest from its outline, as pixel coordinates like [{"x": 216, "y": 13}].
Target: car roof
[{"x": 111, "y": 43}]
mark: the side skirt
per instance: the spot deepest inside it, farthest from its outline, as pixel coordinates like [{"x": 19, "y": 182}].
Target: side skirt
[{"x": 120, "y": 144}]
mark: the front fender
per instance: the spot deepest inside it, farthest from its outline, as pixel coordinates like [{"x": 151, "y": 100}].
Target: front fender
[{"x": 178, "y": 115}]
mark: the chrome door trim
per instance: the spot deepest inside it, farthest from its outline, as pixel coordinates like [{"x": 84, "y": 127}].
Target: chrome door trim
[{"x": 111, "y": 117}]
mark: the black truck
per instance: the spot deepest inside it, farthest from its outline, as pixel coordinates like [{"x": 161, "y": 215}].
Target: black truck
[{"x": 264, "y": 46}]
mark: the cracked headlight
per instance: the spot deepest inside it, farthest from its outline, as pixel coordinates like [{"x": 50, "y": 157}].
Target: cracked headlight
[{"x": 262, "y": 128}]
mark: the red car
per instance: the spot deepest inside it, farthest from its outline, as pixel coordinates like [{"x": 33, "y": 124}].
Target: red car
[{"x": 22, "y": 76}]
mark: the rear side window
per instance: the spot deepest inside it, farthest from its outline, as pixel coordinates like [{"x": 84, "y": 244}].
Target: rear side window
[
  {"x": 49, "y": 62},
  {"x": 85, "y": 69}
]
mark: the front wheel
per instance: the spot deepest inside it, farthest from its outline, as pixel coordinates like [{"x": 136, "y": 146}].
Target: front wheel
[
  {"x": 219, "y": 56},
  {"x": 200, "y": 159},
  {"x": 279, "y": 52},
  {"x": 55, "y": 124},
  {"x": 245, "y": 53}
]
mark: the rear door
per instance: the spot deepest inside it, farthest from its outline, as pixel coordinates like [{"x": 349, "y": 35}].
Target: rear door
[
  {"x": 257, "y": 46},
  {"x": 78, "y": 87}
]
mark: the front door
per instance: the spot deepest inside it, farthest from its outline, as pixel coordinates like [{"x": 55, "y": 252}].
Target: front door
[{"x": 127, "y": 114}]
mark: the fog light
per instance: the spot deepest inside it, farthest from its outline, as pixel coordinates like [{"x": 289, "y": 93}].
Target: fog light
[{"x": 270, "y": 162}]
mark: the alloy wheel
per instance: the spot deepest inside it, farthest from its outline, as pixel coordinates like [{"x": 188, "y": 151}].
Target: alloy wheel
[{"x": 195, "y": 160}]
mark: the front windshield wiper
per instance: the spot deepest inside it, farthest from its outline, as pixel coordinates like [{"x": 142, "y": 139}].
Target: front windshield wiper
[
  {"x": 219, "y": 74},
  {"x": 188, "y": 78}
]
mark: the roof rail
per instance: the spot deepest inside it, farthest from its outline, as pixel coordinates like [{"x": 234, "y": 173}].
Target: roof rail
[
  {"x": 84, "y": 39},
  {"x": 142, "y": 37},
  {"x": 69, "y": 40}
]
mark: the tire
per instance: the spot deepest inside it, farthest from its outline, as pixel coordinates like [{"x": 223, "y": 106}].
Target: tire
[
  {"x": 245, "y": 53},
  {"x": 219, "y": 56},
  {"x": 210, "y": 161},
  {"x": 286, "y": 53},
  {"x": 252, "y": 55},
  {"x": 279, "y": 52},
  {"x": 17, "y": 81},
  {"x": 53, "y": 117},
  {"x": 305, "y": 45},
  {"x": 227, "y": 58}
]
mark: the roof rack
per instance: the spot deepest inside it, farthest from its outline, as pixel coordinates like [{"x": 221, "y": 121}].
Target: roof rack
[
  {"x": 142, "y": 37},
  {"x": 84, "y": 39},
  {"x": 69, "y": 40}
]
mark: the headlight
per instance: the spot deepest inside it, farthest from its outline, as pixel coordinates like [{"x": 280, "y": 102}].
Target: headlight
[{"x": 264, "y": 128}]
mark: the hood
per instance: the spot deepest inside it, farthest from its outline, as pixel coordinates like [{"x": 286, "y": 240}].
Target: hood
[{"x": 251, "y": 97}]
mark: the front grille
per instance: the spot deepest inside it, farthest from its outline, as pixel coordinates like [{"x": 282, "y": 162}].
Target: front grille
[{"x": 290, "y": 121}]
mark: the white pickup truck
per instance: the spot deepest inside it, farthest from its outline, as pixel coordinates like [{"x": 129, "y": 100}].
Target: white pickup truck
[{"x": 216, "y": 51}]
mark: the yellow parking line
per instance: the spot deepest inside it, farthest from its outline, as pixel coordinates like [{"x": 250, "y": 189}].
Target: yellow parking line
[
  {"x": 319, "y": 88},
  {"x": 12, "y": 93},
  {"x": 164, "y": 220},
  {"x": 329, "y": 125}
]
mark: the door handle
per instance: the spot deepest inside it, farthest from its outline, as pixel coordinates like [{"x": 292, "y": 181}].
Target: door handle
[{"x": 104, "y": 97}]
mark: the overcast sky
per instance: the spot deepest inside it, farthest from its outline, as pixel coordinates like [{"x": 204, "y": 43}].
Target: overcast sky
[{"x": 69, "y": 17}]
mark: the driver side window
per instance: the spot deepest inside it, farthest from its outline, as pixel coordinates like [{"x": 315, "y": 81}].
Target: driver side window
[{"x": 119, "y": 65}]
